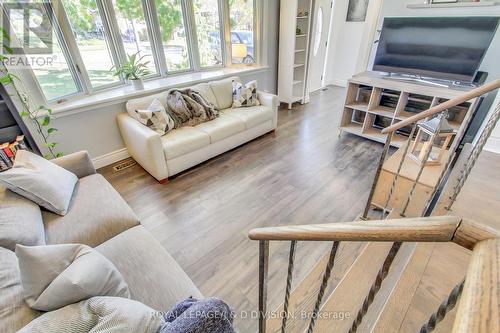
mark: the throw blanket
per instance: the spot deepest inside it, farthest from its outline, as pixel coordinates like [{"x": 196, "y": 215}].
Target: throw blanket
[{"x": 189, "y": 108}]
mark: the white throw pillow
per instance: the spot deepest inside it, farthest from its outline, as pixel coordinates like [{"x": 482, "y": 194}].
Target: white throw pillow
[
  {"x": 40, "y": 181},
  {"x": 156, "y": 118},
  {"x": 54, "y": 276},
  {"x": 245, "y": 94}
]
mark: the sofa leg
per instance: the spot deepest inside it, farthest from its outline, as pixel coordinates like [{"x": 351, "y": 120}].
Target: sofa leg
[
  {"x": 163, "y": 181},
  {"x": 273, "y": 132}
]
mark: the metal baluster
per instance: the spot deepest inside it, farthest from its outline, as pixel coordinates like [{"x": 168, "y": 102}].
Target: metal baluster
[
  {"x": 291, "y": 259},
  {"x": 381, "y": 275},
  {"x": 446, "y": 306},
  {"x": 377, "y": 175},
  {"x": 324, "y": 283},
  {"x": 393, "y": 186},
  {"x": 478, "y": 148},
  {"x": 263, "y": 274}
]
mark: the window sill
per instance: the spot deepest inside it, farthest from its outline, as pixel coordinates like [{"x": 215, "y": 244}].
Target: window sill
[{"x": 124, "y": 93}]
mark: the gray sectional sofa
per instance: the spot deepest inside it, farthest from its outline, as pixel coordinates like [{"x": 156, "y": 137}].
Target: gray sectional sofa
[{"x": 99, "y": 217}]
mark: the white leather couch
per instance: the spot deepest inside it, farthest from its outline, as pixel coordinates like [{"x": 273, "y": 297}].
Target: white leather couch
[{"x": 182, "y": 148}]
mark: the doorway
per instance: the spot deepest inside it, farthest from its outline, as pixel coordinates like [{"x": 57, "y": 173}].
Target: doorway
[{"x": 319, "y": 43}]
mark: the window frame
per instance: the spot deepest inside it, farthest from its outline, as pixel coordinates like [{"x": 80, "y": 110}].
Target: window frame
[{"x": 68, "y": 43}]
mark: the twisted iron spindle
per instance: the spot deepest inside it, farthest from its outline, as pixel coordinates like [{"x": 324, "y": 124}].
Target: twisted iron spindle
[
  {"x": 446, "y": 306},
  {"x": 382, "y": 274},
  {"x": 291, "y": 260},
  {"x": 324, "y": 283},
  {"x": 396, "y": 176},
  {"x": 263, "y": 276}
]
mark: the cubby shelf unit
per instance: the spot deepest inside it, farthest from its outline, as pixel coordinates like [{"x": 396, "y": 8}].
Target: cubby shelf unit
[
  {"x": 374, "y": 102},
  {"x": 294, "y": 50}
]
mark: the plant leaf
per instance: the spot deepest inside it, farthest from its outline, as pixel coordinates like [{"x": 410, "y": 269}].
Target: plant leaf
[{"x": 45, "y": 121}]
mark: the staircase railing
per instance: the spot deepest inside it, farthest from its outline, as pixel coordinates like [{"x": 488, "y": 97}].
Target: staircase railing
[{"x": 479, "y": 303}]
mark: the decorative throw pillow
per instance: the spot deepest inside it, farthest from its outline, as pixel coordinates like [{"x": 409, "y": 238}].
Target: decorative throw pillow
[
  {"x": 156, "y": 118},
  {"x": 40, "y": 181},
  {"x": 245, "y": 94},
  {"x": 54, "y": 276}
]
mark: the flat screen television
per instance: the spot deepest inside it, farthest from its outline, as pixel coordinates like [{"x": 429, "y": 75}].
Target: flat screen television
[{"x": 449, "y": 48}]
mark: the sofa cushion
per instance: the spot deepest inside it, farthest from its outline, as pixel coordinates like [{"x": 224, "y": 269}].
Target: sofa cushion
[
  {"x": 54, "y": 276},
  {"x": 253, "y": 115},
  {"x": 41, "y": 181},
  {"x": 156, "y": 117},
  {"x": 184, "y": 140},
  {"x": 153, "y": 276},
  {"x": 222, "y": 127},
  {"x": 96, "y": 214},
  {"x": 223, "y": 91},
  {"x": 20, "y": 221},
  {"x": 206, "y": 92},
  {"x": 143, "y": 103},
  {"x": 14, "y": 311}
]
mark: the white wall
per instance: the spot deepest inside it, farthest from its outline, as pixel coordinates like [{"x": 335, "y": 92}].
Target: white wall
[
  {"x": 97, "y": 132},
  {"x": 348, "y": 42}
]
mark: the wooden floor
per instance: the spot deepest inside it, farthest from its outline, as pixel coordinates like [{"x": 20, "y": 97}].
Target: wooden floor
[{"x": 303, "y": 174}]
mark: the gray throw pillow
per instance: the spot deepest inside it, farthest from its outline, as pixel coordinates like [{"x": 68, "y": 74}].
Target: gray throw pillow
[
  {"x": 40, "y": 181},
  {"x": 54, "y": 276},
  {"x": 156, "y": 117},
  {"x": 245, "y": 94}
]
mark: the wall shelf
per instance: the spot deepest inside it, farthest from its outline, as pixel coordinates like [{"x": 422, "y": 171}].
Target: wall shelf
[{"x": 452, "y": 5}]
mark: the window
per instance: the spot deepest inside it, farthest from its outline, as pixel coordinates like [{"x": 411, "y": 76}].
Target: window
[
  {"x": 92, "y": 40},
  {"x": 54, "y": 76},
  {"x": 173, "y": 34},
  {"x": 206, "y": 15},
  {"x": 134, "y": 30},
  {"x": 241, "y": 13},
  {"x": 93, "y": 36}
]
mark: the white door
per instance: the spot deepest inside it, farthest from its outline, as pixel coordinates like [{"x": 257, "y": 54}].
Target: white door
[{"x": 317, "y": 51}]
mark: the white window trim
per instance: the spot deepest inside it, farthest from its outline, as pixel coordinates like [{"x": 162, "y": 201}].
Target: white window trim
[{"x": 106, "y": 10}]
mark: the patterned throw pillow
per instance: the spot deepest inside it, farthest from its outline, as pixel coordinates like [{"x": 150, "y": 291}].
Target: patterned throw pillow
[
  {"x": 156, "y": 118},
  {"x": 245, "y": 94}
]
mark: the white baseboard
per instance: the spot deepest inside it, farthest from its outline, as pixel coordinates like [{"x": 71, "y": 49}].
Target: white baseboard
[
  {"x": 110, "y": 158},
  {"x": 493, "y": 145},
  {"x": 338, "y": 82}
]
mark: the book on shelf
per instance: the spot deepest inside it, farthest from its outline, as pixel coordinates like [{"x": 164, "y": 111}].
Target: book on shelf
[{"x": 8, "y": 152}]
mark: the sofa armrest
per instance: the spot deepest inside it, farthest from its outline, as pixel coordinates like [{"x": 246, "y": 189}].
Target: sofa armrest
[
  {"x": 144, "y": 145},
  {"x": 268, "y": 99},
  {"x": 79, "y": 163}
]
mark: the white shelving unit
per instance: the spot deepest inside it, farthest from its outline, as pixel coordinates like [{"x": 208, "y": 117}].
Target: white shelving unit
[{"x": 294, "y": 51}]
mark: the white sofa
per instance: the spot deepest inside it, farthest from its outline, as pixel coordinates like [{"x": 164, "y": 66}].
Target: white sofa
[{"x": 182, "y": 148}]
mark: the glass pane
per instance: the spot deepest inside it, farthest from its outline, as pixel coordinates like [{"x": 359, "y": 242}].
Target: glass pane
[
  {"x": 134, "y": 31},
  {"x": 173, "y": 34},
  {"x": 87, "y": 26},
  {"x": 206, "y": 14},
  {"x": 51, "y": 70},
  {"x": 241, "y": 15}
]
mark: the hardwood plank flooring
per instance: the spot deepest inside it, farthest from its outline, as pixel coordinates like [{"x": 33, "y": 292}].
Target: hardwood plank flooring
[{"x": 303, "y": 174}]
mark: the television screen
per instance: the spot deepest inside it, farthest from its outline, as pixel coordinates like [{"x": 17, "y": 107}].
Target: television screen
[{"x": 438, "y": 47}]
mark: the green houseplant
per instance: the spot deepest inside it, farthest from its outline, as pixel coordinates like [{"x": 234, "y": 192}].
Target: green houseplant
[
  {"x": 133, "y": 70},
  {"x": 39, "y": 116}
]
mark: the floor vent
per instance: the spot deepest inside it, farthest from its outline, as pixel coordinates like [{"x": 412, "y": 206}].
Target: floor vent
[{"x": 124, "y": 165}]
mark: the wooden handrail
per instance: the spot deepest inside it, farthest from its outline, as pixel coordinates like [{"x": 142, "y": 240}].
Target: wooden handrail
[
  {"x": 478, "y": 310},
  {"x": 429, "y": 229},
  {"x": 445, "y": 105}
]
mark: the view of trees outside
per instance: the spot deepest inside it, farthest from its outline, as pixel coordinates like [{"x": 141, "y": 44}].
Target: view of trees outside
[
  {"x": 173, "y": 34},
  {"x": 206, "y": 15},
  {"x": 241, "y": 16},
  {"x": 88, "y": 29},
  {"x": 134, "y": 31},
  {"x": 51, "y": 71}
]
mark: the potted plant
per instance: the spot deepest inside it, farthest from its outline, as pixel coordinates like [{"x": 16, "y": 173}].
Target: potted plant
[{"x": 132, "y": 70}]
